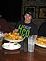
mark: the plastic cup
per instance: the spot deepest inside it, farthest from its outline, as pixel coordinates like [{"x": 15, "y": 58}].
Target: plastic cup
[
  {"x": 31, "y": 43},
  {"x": 1, "y": 38}
]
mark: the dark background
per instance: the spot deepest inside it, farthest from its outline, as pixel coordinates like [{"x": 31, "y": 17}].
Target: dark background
[{"x": 11, "y": 10}]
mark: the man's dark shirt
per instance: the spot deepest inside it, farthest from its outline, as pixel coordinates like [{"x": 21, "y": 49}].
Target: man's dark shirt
[
  {"x": 33, "y": 31},
  {"x": 32, "y": 25}
]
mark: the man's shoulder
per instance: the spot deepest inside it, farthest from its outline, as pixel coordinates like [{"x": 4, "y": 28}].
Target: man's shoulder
[{"x": 33, "y": 24}]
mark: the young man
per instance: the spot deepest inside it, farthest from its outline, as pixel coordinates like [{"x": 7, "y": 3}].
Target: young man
[
  {"x": 26, "y": 27},
  {"x": 27, "y": 22}
]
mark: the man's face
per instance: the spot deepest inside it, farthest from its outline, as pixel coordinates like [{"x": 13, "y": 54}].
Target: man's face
[{"x": 28, "y": 17}]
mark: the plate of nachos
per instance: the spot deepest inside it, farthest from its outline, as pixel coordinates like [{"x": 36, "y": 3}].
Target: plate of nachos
[
  {"x": 41, "y": 41},
  {"x": 13, "y": 37}
]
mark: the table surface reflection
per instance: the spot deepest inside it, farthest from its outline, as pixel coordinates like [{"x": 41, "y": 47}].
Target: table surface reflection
[{"x": 18, "y": 55}]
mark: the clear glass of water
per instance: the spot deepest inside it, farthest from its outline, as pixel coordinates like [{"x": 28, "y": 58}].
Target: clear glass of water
[
  {"x": 1, "y": 38},
  {"x": 31, "y": 43}
]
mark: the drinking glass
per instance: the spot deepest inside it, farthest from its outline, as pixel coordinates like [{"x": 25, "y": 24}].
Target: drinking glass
[
  {"x": 1, "y": 38},
  {"x": 31, "y": 43}
]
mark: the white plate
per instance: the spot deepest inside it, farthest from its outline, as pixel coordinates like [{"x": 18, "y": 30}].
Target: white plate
[
  {"x": 11, "y": 46},
  {"x": 44, "y": 46},
  {"x": 13, "y": 40}
]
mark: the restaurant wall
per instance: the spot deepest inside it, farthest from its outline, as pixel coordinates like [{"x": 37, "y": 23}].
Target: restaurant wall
[
  {"x": 11, "y": 10},
  {"x": 37, "y": 5}
]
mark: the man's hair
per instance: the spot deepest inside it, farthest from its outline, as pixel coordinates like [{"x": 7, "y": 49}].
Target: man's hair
[{"x": 29, "y": 11}]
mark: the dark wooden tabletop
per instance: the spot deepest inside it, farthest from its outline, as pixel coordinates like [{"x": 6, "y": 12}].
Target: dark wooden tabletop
[{"x": 17, "y": 55}]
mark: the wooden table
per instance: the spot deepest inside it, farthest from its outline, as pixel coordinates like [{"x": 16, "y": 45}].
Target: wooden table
[{"x": 38, "y": 55}]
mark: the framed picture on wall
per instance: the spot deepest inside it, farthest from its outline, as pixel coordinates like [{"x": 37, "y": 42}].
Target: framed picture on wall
[
  {"x": 31, "y": 8},
  {"x": 42, "y": 12}
]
